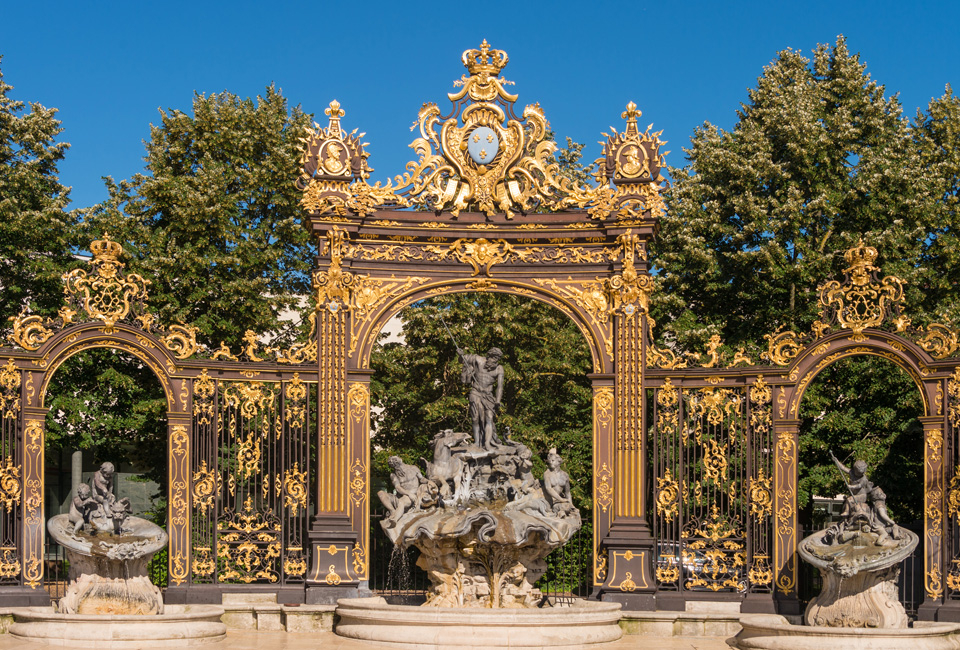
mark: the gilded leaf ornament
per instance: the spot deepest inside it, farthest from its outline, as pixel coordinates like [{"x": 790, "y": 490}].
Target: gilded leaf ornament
[
  {"x": 105, "y": 294},
  {"x": 481, "y": 156}
]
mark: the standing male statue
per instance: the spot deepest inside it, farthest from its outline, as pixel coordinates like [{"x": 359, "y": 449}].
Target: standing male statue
[{"x": 484, "y": 375}]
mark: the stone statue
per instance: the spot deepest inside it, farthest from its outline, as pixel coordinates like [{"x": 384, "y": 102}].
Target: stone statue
[
  {"x": 101, "y": 484},
  {"x": 411, "y": 490},
  {"x": 108, "y": 552},
  {"x": 556, "y": 483},
  {"x": 484, "y": 375},
  {"x": 859, "y": 559},
  {"x": 864, "y": 509},
  {"x": 446, "y": 470},
  {"x": 81, "y": 507}
]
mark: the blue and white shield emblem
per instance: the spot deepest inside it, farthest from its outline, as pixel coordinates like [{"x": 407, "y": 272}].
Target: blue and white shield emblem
[{"x": 482, "y": 145}]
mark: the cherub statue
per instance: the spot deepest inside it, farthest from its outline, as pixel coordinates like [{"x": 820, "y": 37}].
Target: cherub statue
[
  {"x": 864, "y": 509},
  {"x": 82, "y": 505},
  {"x": 101, "y": 485}
]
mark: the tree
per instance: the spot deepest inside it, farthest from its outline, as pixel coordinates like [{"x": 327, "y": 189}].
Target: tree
[
  {"x": 215, "y": 222},
  {"x": 37, "y": 234},
  {"x": 761, "y": 215}
]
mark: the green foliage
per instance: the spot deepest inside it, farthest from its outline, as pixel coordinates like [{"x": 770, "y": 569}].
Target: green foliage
[
  {"x": 36, "y": 233},
  {"x": 113, "y": 406},
  {"x": 416, "y": 389},
  {"x": 848, "y": 409},
  {"x": 761, "y": 216},
  {"x": 215, "y": 222}
]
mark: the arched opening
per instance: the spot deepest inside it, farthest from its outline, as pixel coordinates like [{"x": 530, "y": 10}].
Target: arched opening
[
  {"x": 105, "y": 406},
  {"x": 862, "y": 408},
  {"x": 416, "y": 392}
]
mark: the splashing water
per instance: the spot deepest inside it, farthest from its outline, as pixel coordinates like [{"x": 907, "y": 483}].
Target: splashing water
[{"x": 398, "y": 571}]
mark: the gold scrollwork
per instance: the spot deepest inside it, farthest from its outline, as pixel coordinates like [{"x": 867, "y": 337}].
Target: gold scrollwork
[
  {"x": 600, "y": 566},
  {"x": 29, "y": 332},
  {"x": 782, "y": 347},
  {"x": 9, "y": 563},
  {"x": 935, "y": 443},
  {"x": 603, "y": 406},
  {"x": 761, "y": 496},
  {"x": 248, "y": 544},
  {"x": 953, "y": 495},
  {"x": 863, "y": 300},
  {"x": 105, "y": 295},
  {"x": 604, "y": 489},
  {"x": 358, "y": 483},
  {"x": 9, "y": 391},
  {"x": 10, "y": 488},
  {"x": 182, "y": 340},
  {"x": 332, "y": 577},
  {"x": 203, "y": 562},
  {"x": 206, "y": 487},
  {"x": 203, "y": 388},
  {"x": 294, "y": 489},
  {"x": 667, "y": 574},
  {"x": 940, "y": 341},
  {"x": 668, "y": 496},
  {"x": 760, "y": 573}
]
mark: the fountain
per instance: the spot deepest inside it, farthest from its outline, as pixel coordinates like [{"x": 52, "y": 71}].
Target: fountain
[
  {"x": 483, "y": 525},
  {"x": 859, "y": 561},
  {"x": 110, "y": 598}
]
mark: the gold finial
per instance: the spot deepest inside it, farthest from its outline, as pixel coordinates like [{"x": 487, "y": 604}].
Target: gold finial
[
  {"x": 335, "y": 113},
  {"x": 106, "y": 250},
  {"x": 485, "y": 60},
  {"x": 631, "y": 115}
]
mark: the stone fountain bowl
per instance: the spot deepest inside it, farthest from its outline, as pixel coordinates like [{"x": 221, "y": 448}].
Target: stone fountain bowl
[
  {"x": 774, "y": 632},
  {"x": 105, "y": 554},
  {"x": 374, "y": 620},
  {"x": 850, "y": 558}
]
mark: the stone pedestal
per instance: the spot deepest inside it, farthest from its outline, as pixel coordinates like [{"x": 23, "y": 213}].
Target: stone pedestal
[{"x": 867, "y": 599}]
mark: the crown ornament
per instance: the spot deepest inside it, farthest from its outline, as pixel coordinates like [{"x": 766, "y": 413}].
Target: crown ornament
[
  {"x": 106, "y": 250},
  {"x": 485, "y": 61},
  {"x": 860, "y": 258}
]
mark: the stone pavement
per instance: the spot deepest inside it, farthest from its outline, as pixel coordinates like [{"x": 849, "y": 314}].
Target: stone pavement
[{"x": 252, "y": 640}]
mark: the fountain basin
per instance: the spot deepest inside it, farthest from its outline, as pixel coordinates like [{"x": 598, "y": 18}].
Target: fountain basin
[
  {"x": 179, "y": 625},
  {"x": 772, "y": 632},
  {"x": 373, "y": 619}
]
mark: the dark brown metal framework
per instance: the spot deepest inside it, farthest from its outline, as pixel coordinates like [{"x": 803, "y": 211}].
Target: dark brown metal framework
[{"x": 269, "y": 449}]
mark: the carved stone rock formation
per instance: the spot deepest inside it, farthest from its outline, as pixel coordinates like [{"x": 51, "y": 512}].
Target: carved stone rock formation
[{"x": 482, "y": 522}]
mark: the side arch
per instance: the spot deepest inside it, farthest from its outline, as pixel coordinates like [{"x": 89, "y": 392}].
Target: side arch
[{"x": 88, "y": 336}]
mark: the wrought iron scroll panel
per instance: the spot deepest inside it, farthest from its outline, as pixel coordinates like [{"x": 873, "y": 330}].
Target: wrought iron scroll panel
[
  {"x": 250, "y": 480},
  {"x": 11, "y": 487},
  {"x": 712, "y": 504}
]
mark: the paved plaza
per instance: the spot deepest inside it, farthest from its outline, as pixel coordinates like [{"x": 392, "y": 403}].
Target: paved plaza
[{"x": 251, "y": 640}]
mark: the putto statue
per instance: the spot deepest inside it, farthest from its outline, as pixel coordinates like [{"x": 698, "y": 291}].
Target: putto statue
[
  {"x": 108, "y": 551},
  {"x": 859, "y": 559},
  {"x": 482, "y": 521}
]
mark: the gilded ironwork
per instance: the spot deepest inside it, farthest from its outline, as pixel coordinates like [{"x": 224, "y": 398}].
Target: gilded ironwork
[
  {"x": 668, "y": 496},
  {"x": 248, "y": 543},
  {"x": 182, "y": 340},
  {"x": 10, "y": 488},
  {"x": 863, "y": 300},
  {"x": 29, "y": 332},
  {"x": 761, "y": 495},
  {"x": 105, "y": 294},
  {"x": 604, "y": 487},
  {"x": 294, "y": 489},
  {"x": 206, "y": 487},
  {"x": 9, "y": 391},
  {"x": 940, "y": 341}
]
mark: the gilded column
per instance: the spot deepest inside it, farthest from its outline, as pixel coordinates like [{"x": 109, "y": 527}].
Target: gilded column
[
  {"x": 358, "y": 456},
  {"x": 333, "y": 536},
  {"x": 629, "y": 543},
  {"x": 179, "y": 426},
  {"x": 785, "y": 511},
  {"x": 933, "y": 519}
]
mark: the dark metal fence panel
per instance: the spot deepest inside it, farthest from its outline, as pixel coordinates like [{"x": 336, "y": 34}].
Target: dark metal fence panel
[
  {"x": 251, "y": 482},
  {"x": 10, "y": 478}
]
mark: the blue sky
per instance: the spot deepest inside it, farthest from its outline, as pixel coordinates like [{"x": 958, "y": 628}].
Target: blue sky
[{"x": 109, "y": 66}]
